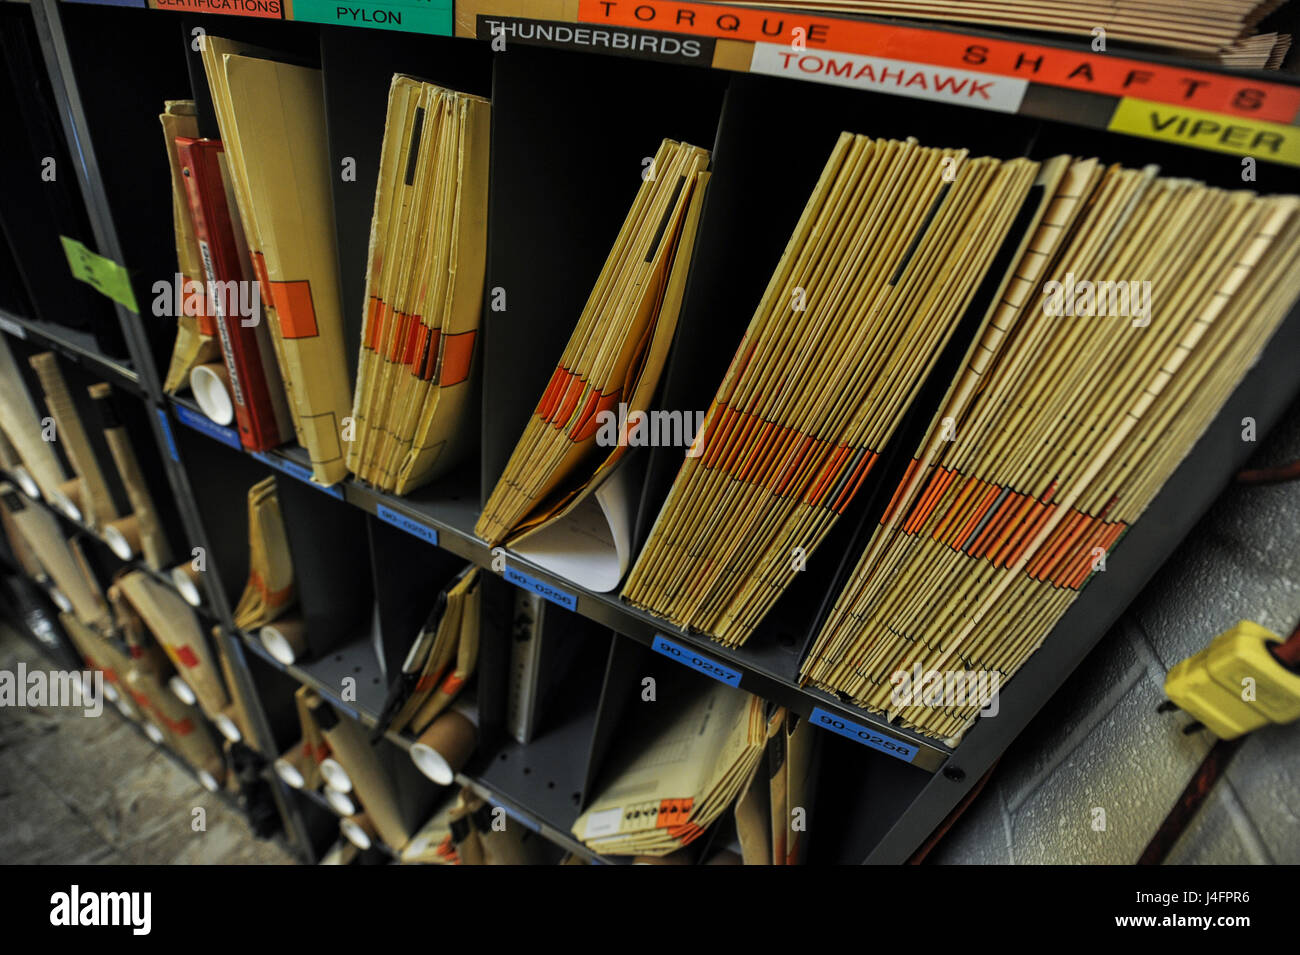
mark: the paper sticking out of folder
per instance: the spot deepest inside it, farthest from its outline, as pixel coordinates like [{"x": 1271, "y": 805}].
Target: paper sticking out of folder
[{"x": 607, "y": 375}]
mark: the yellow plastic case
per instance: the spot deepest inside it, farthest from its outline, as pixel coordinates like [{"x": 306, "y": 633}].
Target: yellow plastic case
[{"x": 1210, "y": 685}]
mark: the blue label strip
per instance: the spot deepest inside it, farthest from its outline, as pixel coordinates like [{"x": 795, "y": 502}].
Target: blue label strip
[
  {"x": 205, "y": 425},
  {"x": 553, "y": 594},
  {"x": 167, "y": 433},
  {"x": 422, "y": 531},
  {"x": 862, "y": 734},
  {"x": 523, "y": 820},
  {"x": 696, "y": 661},
  {"x": 296, "y": 470}
]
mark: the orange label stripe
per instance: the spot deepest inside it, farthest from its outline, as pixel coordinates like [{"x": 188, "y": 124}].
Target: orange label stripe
[{"x": 997, "y": 524}]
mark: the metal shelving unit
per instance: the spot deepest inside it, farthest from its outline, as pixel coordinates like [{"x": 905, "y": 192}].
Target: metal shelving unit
[{"x": 445, "y": 515}]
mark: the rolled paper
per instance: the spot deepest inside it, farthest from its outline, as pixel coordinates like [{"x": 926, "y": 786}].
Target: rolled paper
[
  {"x": 358, "y": 830},
  {"x": 60, "y": 599},
  {"x": 340, "y": 802},
  {"x": 444, "y": 748},
  {"x": 286, "y": 640},
  {"x": 211, "y": 386},
  {"x": 186, "y": 581}
]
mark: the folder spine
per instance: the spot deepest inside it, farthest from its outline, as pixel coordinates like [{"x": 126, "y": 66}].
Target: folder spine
[{"x": 259, "y": 428}]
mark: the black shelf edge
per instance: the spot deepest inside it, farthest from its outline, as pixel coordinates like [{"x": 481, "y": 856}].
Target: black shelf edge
[
  {"x": 452, "y": 520},
  {"x": 72, "y": 346}
]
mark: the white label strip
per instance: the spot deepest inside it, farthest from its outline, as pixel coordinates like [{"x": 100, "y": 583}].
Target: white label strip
[
  {"x": 603, "y": 823},
  {"x": 939, "y": 84}
]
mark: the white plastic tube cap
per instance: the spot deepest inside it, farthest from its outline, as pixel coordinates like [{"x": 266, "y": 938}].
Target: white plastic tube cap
[
  {"x": 117, "y": 542},
  {"x": 26, "y": 483},
  {"x": 430, "y": 762},
  {"x": 227, "y": 727},
  {"x": 64, "y": 503},
  {"x": 288, "y": 772},
  {"x": 340, "y": 802},
  {"x": 354, "y": 833},
  {"x": 184, "y": 585},
  {"x": 154, "y": 733},
  {"x": 211, "y": 394},
  {"x": 209, "y": 781},
  {"x": 182, "y": 690},
  {"x": 276, "y": 644},
  {"x": 336, "y": 777},
  {"x": 60, "y": 600}
]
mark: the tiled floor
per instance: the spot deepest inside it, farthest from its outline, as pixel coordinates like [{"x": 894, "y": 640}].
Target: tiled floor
[{"x": 82, "y": 790}]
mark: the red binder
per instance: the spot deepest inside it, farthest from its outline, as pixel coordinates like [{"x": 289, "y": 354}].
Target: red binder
[{"x": 260, "y": 408}]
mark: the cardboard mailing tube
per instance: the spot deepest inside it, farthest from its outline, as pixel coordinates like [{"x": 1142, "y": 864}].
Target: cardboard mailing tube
[
  {"x": 186, "y": 731},
  {"x": 286, "y": 640},
  {"x": 123, "y": 536},
  {"x": 446, "y": 745},
  {"x": 211, "y": 386},
  {"x": 371, "y": 785}
]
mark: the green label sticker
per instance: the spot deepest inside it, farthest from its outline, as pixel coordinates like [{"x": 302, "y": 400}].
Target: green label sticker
[
  {"x": 411, "y": 16},
  {"x": 104, "y": 275}
]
